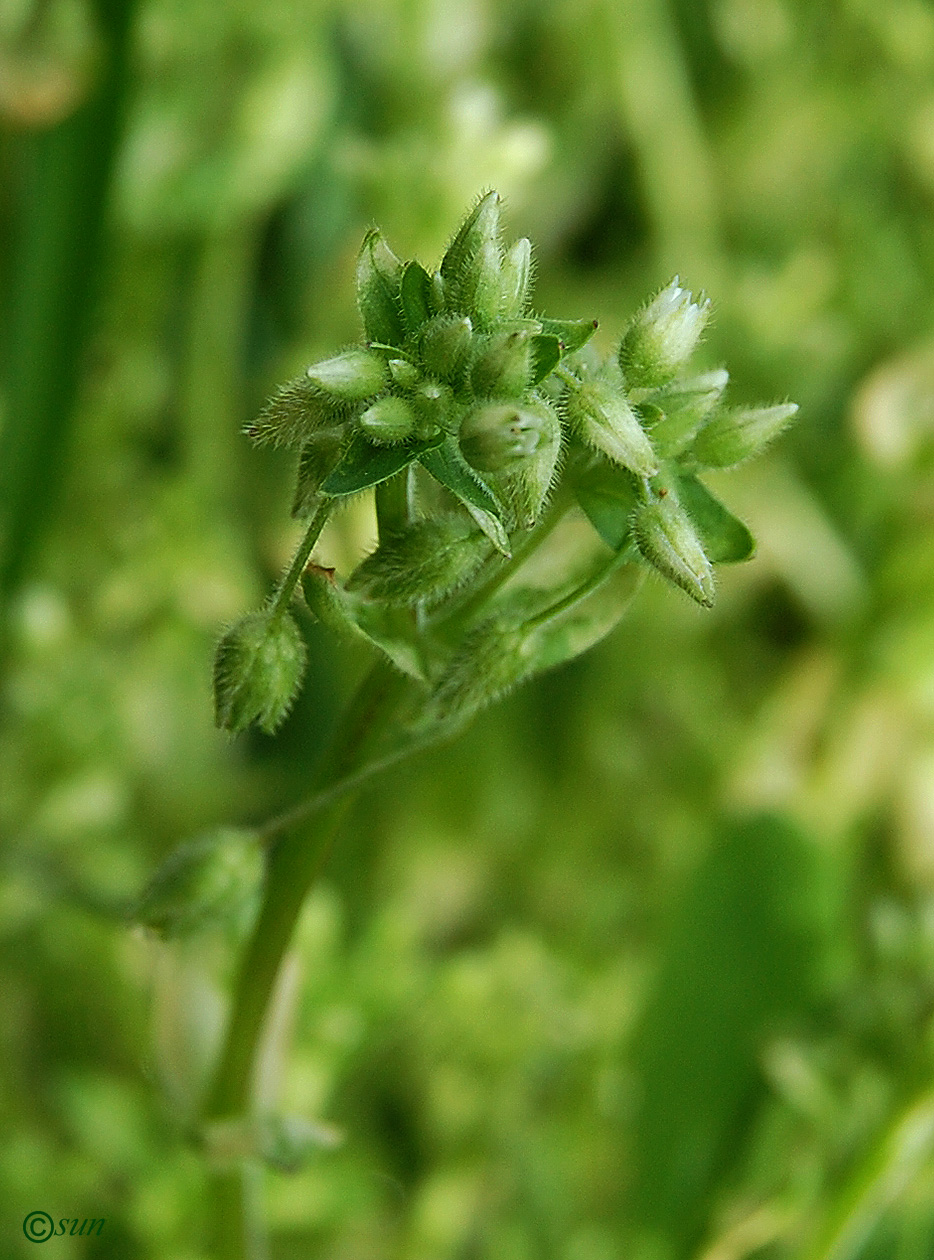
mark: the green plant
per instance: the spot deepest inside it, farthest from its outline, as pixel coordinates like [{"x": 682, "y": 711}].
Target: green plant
[{"x": 487, "y": 434}]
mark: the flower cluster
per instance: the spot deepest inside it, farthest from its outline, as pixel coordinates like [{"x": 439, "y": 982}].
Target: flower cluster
[{"x": 479, "y": 423}]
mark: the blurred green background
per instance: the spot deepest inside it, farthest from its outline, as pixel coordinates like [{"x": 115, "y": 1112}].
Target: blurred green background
[{"x": 642, "y": 968}]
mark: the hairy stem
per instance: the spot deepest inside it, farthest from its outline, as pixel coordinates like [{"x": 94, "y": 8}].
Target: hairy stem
[
  {"x": 294, "y": 861},
  {"x": 586, "y": 588},
  {"x": 474, "y": 599},
  {"x": 294, "y": 572}
]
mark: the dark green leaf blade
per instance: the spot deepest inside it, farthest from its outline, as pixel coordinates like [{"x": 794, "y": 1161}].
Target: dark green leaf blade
[
  {"x": 448, "y": 466},
  {"x": 725, "y": 539},
  {"x": 364, "y": 464}
]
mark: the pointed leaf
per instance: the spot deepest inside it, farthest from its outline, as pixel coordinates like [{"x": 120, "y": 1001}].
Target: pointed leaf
[
  {"x": 546, "y": 355},
  {"x": 364, "y": 464},
  {"x": 448, "y": 466},
  {"x": 725, "y": 539},
  {"x": 572, "y": 333}
]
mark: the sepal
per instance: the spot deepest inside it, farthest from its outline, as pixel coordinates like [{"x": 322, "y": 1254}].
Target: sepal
[
  {"x": 294, "y": 412},
  {"x": 387, "y": 421},
  {"x": 738, "y": 433},
  {"x": 379, "y": 279},
  {"x": 352, "y": 376},
  {"x": 472, "y": 265}
]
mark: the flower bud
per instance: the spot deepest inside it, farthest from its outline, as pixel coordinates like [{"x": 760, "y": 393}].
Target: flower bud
[
  {"x": 445, "y": 345},
  {"x": 662, "y": 337},
  {"x": 492, "y": 659},
  {"x": 738, "y": 433},
  {"x": 602, "y": 417},
  {"x": 212, "y": 878},
  {"x": 388, "y": 420},
  {"x": 327, "y": 602},
  {"x": 403, "y": 373},
  {"x": 516, "y": 279},
  {"x": 503, "y": 367},
  {"x": 666, "y": 538},
  {"x": 495, "y": 436},
  {"x": 258, "y": 669},
  {"x": 354, "y": 375},
  {"x": 425, "y": 561},
  {"x": 432, "y": 404},
  {"x": 320, "y": 456},
  {"x": 683, "y": 408},
  {"x": 295, "y": 411},
  {"x": 471, "y": 267},
  {"x": 516, "y": 448},
  {"x": 379, "y": 279}
]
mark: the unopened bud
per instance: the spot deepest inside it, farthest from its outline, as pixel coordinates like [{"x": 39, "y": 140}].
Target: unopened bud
[
  {"x": 295, "y": 411},
  {"x": 516, "y": 449},
  {"x": 516, "y": 279},
  {"x": 210, "y": 879},
  {"x": 445, "y": 346},
  {"x": 498, "y": 435},
  {"x": 403, "y": 373},
  {"x": 662, "y": 337},
  {"x": 425, "y": 561},
  {"x": 432, "y": 403},
  {"x": 739, "y": 433},
  {"x": 503, "y": 366},
  {"x": 379, "y": 279},
  {"x": 666, "y": 538},
  {"x": 492, "y": 659},
  {"x": 388, "y": 420},
  {"x": 354, "y": 375},
  {"x": 683, "y": 409},
  {"x": 319, "y": 458},
  {"x": 602, "y": 417},
  {"x": 258, "y": 669},
  {"x": 471, "y": 267},
  {"x": 328, "y": 603}
]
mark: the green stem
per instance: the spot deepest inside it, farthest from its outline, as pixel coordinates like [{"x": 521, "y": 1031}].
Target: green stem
[
  {"x": 582, "y": 592},
  {"x": 288, "y": 584},
  {"x": 459, "y": 612},
  {"x": 393, "y": 503},
  {"x": 294, "y": 861}
]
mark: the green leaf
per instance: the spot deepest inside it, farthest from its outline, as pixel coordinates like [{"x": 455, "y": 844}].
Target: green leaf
[
  {"x": 448, "y": 466},
  {"x": 749, "y": 946},
  {"x": 725, "y": 539},
  {"x": 417, "y": 306},
  {"x": 546, "y": 355},
  {"x": 607, "y": 496},
  {"x": 364, "y": 464},
  {"x": 572, "y": 333}
]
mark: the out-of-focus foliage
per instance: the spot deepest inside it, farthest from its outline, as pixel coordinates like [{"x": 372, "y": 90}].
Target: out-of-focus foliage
[{"x": 643, "y": 965}]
